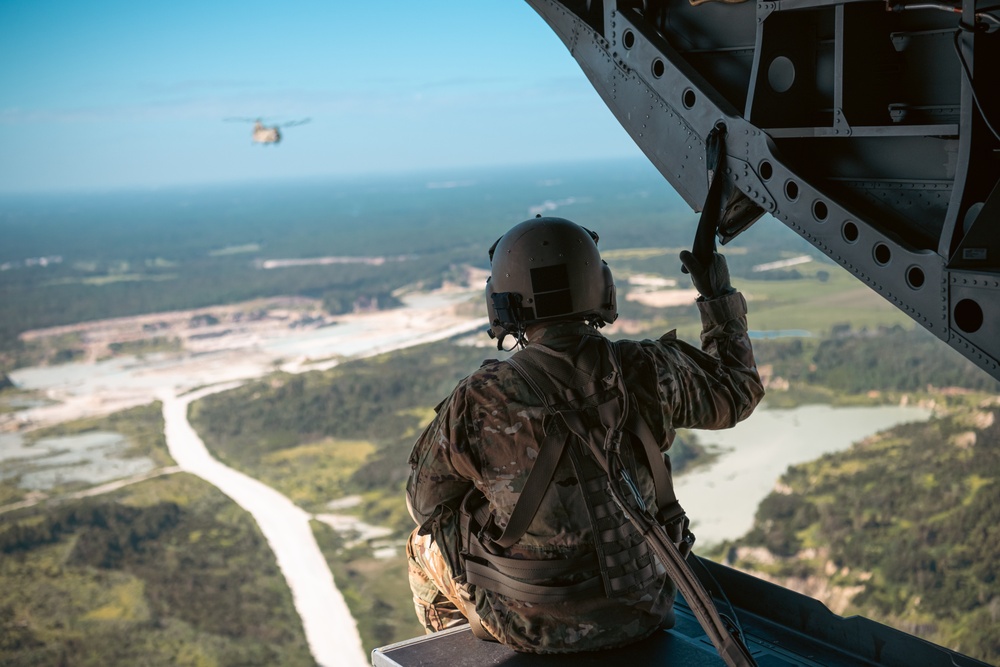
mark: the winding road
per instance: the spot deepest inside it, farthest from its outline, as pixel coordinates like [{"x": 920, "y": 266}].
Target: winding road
[
  {"x": 90, "y": 389},
  {"x": 329, "y": 627}
]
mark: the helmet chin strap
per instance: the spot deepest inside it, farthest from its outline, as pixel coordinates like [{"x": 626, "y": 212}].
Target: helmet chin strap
[{"x": 518, "y": 334}]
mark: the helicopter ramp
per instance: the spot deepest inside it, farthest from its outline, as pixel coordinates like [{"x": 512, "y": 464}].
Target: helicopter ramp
[{"x": 782, "y": 628}]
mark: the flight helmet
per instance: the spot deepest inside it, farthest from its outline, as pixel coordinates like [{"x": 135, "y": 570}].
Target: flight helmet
[{"x": 547, "y": 269}]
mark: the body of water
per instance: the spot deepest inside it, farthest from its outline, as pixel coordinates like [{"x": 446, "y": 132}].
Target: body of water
[
  {"x": 722, "y": 498},
  {"x": 89, "y": 458}
]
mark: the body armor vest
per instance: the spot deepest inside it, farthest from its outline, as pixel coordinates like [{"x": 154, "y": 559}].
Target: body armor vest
[{"x": 622, "y": 561}]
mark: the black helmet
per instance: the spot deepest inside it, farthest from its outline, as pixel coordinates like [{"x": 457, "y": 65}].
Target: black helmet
[{"x": 547, "y": 269}]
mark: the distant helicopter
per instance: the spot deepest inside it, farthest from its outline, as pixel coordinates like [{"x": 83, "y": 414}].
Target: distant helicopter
[{"x": 267, "y": 134}]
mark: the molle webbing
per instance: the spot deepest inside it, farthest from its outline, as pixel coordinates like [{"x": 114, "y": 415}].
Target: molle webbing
[{"x": 623, "y": 554}]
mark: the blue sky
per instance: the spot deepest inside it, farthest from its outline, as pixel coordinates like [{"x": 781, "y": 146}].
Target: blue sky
[{"x": 106, "y": 94}]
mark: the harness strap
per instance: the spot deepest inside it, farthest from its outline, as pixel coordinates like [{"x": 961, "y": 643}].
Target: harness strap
[
  {"x": 527, "y": 377},
  {"x": 667, "y": 507},
  {"x": 538, "y": 569},
  {"x": 533, "y": 491},
  {"x": 482, "y": 575},
  {"x": 538, "y": 480},
  {"x": 506, "y": 576},
  {"x": 475, "y": 622}
]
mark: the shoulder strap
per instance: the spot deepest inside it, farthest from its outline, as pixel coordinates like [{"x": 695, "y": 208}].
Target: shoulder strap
[
  {"x": 534, "y": 489},
  {"x": 539, "y": 367},
  {"x": 668, "y": 508},
  {"x": 544, "y": 468}
]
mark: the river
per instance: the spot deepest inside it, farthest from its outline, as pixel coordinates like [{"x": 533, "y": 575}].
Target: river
[{"x": 721, "y": 499}]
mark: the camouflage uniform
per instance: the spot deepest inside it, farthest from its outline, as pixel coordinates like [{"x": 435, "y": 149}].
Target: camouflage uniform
[{"x": 486, "y": 435}]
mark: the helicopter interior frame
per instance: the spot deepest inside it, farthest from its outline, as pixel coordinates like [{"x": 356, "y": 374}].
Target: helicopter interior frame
[{"x": 862, "y": 125}]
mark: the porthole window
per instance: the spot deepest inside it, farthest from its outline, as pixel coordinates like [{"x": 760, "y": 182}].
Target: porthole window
[
  {"x": 820, "y": 211},
  {"x": 882, "y": 254},
  {"x": 968, "y": 316},
  {"x": 792, "y": 190},
  {"x": 850, "y": 232}
]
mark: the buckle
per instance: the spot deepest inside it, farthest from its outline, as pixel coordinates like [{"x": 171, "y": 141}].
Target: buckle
[{"x": 669, "y": 515}]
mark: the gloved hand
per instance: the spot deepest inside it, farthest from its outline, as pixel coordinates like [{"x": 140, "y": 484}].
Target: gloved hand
[{"x": 711, "y": 281}]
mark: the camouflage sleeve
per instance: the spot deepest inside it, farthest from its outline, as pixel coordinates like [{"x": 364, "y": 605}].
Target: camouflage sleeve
[
  {"x": 434, "y": 479},
  {"x": 714, "y": 387}
]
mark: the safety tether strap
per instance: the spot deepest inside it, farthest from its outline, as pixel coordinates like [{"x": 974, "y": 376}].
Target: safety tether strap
[
  {"x": 728, "y": 211},
  {"x": 708, "y": 224}
]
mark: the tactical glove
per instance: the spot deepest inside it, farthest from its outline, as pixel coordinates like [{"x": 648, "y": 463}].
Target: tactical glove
[{"x": 711, "y": 281}]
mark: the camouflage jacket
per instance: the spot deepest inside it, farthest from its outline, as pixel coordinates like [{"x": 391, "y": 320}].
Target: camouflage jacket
[{"x": 486, "y": 435}]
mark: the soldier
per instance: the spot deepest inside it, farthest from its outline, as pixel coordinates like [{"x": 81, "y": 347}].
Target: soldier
[{"x": 518, "y": 532}]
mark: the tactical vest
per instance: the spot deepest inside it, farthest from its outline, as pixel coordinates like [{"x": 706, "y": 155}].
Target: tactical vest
[{"x": 622, "y": 562}]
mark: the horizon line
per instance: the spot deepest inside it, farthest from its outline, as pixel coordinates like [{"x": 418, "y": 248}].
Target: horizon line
[{"x": 453, "y": 174}]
